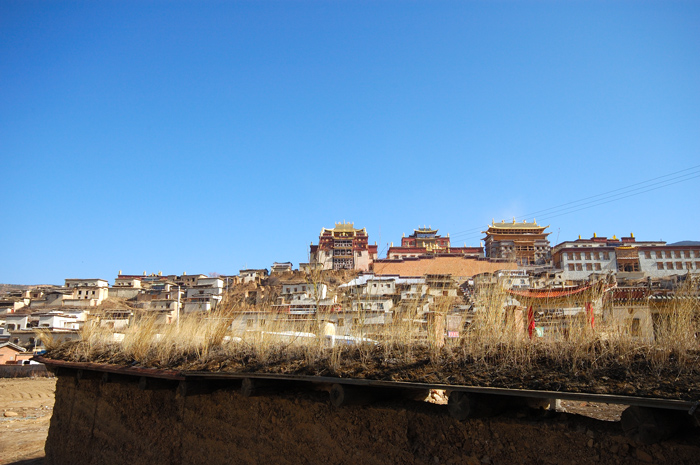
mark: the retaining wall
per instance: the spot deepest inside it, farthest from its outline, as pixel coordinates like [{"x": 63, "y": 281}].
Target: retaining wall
[{"x": 117, "y": 422}]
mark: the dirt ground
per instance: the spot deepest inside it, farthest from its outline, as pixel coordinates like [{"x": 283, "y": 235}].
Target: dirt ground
[
  {"x": 22, "y": 437},
  {"x": 299, "y": 423},
  {"x": 116, "y": 422}
]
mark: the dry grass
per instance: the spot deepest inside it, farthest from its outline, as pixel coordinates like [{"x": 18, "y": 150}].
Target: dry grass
[{"x": 494, "y": 349}]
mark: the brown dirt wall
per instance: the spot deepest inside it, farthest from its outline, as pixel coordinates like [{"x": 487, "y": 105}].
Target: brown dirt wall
[{"x": 117, "y": 423}]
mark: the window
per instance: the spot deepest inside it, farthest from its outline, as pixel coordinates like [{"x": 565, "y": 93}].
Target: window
[
  {"x": 659, "y": 254},
  {"x": 686, "y": 254},
  {"x": 80, "y": 292},
  {"x": 647, "y": 254},
  {"x": 588, "y": 255},
  {"x": 341, "y": 321},
  {"x": 249, "y": 322},
  {"x": 679, "y": 265},
  {"x": 571, "y": 267},
  {"x": 589, "y": 267},
  {"x": 697, "y": 254},
  {"x": 678, "y": 253},
  {"x": 355, "y": 321},
  {"x": 659, "y": 265},
  {"x": 668, "y": 254},
  {"x": 597, "y": 266},
  {"x": 688, "y": 266},
  {"x": 596, "y": 255},
  {"x": 579, "y": 267},
  {"x": 669, "y": 265},
  {"x": 606, "y": 256},
  {"x": 578, "y": 255}
]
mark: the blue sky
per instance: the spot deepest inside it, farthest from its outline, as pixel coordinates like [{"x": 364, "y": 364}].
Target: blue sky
[{"x": 212, "y": 136}]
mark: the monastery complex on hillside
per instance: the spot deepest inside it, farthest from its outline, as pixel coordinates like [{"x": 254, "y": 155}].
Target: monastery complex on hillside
[{"x": 345, "y": 287}]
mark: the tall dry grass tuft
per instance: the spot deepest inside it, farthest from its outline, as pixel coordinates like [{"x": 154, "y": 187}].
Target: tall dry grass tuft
[{"x": 139, "y": 338}]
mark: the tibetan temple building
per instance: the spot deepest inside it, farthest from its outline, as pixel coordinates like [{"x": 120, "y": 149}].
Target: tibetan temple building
[
  {"x": 344, "y": 248},
  {"x": 525, "y": 243},
  {"x": 426, "y": 241}
]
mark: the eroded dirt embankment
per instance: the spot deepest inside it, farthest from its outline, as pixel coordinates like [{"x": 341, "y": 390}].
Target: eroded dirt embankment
[{"x": 117, "y": 423}]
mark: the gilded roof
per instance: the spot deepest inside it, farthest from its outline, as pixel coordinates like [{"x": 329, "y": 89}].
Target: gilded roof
[
  {"x": 343, "y": 227},
  {"x": 514, "y": 225},
  {"x": 425, "y": 230}
]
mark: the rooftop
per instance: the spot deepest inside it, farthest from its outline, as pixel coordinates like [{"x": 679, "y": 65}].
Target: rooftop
[
  {"x": 514, "y": 225},
  {"x": 455, "y": 266}
]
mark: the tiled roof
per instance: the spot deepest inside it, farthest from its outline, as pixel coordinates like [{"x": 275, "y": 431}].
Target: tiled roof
[
  {"x": 514, "y": 225},
  {"x": 455, "y": 266},
  {"x": 548, "y": 293}
]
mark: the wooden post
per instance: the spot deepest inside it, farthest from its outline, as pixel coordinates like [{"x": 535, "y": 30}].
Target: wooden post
[{"x": 343, "y": 394}]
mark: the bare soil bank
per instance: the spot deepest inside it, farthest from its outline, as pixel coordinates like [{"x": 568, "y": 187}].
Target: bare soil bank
[
  {"x": 117, "y": 423},
  {"x": 25, "y": 410},
  {"x": 598, "y": 368}
]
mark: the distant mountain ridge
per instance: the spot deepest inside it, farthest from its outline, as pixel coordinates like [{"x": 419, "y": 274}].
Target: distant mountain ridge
[
  {"x": 18, "y": 287},
  {"x": 685, "y": 243}
]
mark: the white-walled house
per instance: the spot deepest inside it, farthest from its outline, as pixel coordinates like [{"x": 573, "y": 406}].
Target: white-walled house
[
  {"x": 251, "y": 276},
  {"x": 86, "y": 292},
  {"x": 204, "y": 296},
  {"x": 62, "y": 319},
  {"x": 301, "y": 290},
  {"x": 16, "y": 322}
]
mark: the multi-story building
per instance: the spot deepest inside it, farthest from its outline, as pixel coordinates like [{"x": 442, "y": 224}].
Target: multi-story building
[
  {"x": 626, "y": 257},
  {"x": 283, "y": 267},
  {"x": 205, "y": 296},
  {"x": 344, "y": 248},
  {"x": 524, "y": 243},
  {"x": 251, "y": 276},
  {"x": 86, "y": 292},
  {"x": 426, "y": 241}
]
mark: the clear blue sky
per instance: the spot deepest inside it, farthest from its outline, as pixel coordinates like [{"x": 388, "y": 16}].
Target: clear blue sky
[{"x": 210, "y": 136}]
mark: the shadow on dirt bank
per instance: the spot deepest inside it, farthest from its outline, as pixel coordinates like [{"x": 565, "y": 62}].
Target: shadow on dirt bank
[{"x": 39, "y": 461}]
